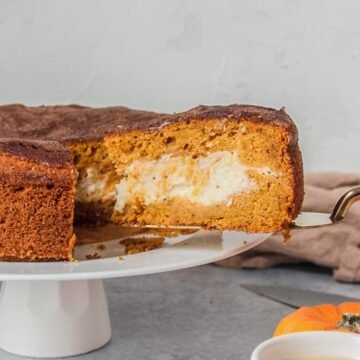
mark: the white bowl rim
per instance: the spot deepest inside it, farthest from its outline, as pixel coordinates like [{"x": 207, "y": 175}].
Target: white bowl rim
[{"x": 298, "y": 335}]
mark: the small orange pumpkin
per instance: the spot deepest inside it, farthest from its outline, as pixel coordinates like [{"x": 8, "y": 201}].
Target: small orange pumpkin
[{"x": 343, "y": 317}]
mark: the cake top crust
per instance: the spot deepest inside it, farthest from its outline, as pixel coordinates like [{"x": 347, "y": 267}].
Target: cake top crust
[
  {"x": 78, "y": 123},
  {"x": 49, "y": 153}
]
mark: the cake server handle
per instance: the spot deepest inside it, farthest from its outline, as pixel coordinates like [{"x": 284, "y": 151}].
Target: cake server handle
[
  {"x": 314, "y": 220},
  {"x": 344, "y": 204}
]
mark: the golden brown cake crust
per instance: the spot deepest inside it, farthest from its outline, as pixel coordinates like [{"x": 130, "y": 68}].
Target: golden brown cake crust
[
  {"x": 50, "y": 153},
  {"x": 68, "y": 122},
  {"x": 77, "y": 123},
  {"x": 43, "y": 162}
]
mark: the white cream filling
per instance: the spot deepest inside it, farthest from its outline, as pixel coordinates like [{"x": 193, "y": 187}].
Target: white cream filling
[
  {"x": 212, "y": 179},
  {"x": 93, "y": 187}
]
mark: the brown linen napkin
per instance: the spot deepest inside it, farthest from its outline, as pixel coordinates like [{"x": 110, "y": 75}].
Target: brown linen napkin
[{"x": 336, "y": 247}]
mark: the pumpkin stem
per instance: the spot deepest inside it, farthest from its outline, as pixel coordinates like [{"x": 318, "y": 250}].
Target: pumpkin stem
[{"x": 350, "y": 322}]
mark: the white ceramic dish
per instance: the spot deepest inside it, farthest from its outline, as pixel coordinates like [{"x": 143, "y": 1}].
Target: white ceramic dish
[
  {"x": 310, "y": 345},
  {"x": 44, "y": 316}
]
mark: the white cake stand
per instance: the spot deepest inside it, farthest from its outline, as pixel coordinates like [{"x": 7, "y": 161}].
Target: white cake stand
[{"x": 60, "y": 309}]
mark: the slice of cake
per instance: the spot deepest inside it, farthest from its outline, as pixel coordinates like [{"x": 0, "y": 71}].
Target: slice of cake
[
  {"x": 222, "y": 167},
  {"x": 37, "y": 185}
]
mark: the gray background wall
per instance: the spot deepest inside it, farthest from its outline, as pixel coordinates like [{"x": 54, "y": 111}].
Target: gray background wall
[{"x": 170, "y": 55}]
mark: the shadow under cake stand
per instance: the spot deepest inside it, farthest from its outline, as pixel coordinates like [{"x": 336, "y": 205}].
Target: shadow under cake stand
[{"x": 56, "y": 309}]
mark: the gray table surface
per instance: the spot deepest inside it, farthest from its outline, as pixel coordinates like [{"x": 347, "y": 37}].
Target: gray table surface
[{"x": 199, "y": 313}]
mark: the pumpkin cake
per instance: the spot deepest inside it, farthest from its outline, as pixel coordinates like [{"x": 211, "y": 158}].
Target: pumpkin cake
[{"x": 234, "y": 167}]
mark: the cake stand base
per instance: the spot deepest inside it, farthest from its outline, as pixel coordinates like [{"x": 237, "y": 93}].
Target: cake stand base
[{"x": 53, "y": 318}]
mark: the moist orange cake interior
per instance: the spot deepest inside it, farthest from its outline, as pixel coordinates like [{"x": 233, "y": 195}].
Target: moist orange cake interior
[{"x": 214, "y": 173}]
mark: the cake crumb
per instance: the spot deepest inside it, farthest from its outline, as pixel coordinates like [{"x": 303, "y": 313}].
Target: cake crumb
[
  {"x": 141, "y": 244},
  {"x": 286, "y": 233},
  {"x": 170, "y": 232},
  {"x": 120, "y": 258},
  {"x": 93, "y": 256},
  {"x": 101, "y": 247}
]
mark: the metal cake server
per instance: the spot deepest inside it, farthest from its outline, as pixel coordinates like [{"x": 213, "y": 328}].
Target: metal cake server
[{"x": 297, "y": 297}]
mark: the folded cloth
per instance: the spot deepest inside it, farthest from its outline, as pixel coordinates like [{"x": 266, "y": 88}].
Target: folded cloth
[{"x": 336, "y": 247}]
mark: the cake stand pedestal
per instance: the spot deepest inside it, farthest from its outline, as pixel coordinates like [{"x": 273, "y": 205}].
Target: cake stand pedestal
[
  {"x": 53, "y": 318},
  {"x": 58, "y": 310}
]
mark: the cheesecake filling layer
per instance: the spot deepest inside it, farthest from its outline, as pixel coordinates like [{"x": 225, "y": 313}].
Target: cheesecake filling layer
[
  {"x": 94, "y": 186},
  {"x": 208, "y": 180}
]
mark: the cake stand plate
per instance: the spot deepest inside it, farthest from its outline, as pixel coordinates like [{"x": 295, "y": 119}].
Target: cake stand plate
[{"x": 59, "y": 309}]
